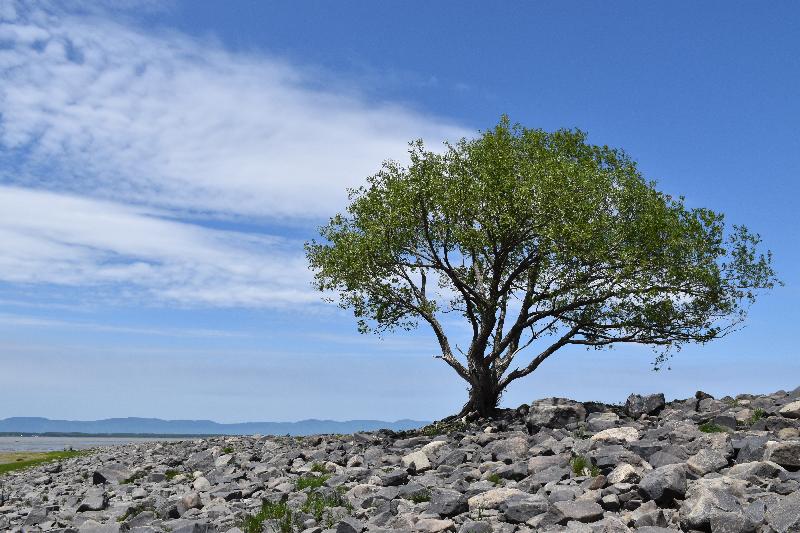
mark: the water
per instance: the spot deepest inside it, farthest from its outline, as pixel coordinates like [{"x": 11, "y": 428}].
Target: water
[{"x": 49, "y": 444}]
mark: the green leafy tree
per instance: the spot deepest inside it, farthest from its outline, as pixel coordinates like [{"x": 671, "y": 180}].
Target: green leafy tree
[{"x": 539, "y": 240}]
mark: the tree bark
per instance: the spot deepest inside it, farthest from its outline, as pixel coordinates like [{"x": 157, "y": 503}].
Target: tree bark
[{"x": 484, "y": 395}]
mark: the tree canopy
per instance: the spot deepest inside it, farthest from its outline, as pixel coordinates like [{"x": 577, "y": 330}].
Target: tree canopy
[{"x": 539, "y": 240}]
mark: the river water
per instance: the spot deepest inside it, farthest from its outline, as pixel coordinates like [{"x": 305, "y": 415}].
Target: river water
[{"x": 48, "y": 444}]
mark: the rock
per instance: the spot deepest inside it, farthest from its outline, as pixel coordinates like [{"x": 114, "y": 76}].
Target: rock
[
  {"x": 657, "y": 473},
  {"x": 622, "y": 434},
  {"x": 189, "y": 501},
  {"x": 93, "y": 500},
  {"x": 754, "y": 471},
  {"x": 707, "y": 499},
  {"x": 471, "y": 526},
  {"x": 664, "y": 484},
  {"x": 521, "y": 509},
  {"x": 580, "y": 510},
  {"x": 492, "y": 499},
  {"x": 705, "y": 461},
  {"x": 112, "y": 473},
  {"x": 599, "y": 421},
  {"x": 659, "y": 459},
  {"x": 447, "y": 502},
  {"x": 784, "y": 514},
  {"x": 637, "y": 405},
  {"x": 201, "y": 484},
  {"x": 554, "y": 413},
  {"x": 786, "y": 454},
  {"x": 417, "y": 461},
  {"x": 394, "y": 478},
  {"x": 508, "y": 450},
  {"x": 91, "y": 526},
  {"x": 434, "y": 525},
  {"x": 648, "y": 514},
  {"x": 790, "y": 410},
  {"x": 623, "y": 473}
]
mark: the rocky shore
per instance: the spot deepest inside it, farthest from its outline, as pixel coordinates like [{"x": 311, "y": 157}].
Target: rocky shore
[{"x": 702, "y": 464}]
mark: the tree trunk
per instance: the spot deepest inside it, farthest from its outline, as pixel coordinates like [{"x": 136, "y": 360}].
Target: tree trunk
[{"x": 484, "y": 395}]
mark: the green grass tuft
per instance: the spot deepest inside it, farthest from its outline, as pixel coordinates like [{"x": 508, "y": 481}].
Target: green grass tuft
[
  {"x": 711, "y": 427},
  {"x": 582, "y": 466},
  {"x": 227, "y": 450},
  {"x": 318, "y": 468},
  {"x": 311, "y": 482},
  {"x": 270, "y": 511},
  {"x": 421, "y": 496},
  {"x": 757, "y": 415},
  {"x": 494, "y": 478}
]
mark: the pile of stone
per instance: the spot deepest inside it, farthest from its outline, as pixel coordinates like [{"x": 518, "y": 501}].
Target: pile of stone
[{"x": 702, "y": 464}]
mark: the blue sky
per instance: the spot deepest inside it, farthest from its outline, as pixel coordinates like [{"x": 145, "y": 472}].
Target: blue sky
[{"x": 161, "y": 166}]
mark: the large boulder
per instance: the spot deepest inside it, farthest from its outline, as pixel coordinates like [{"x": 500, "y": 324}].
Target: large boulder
[
  {"x": 555, "y": 413},
  {"x": 786, "y": 454},
  {"x": 637, "y": 405},
  {"x": 791, "y": 410},
  {"x": 705, "y": 461},
  {"x": 95, "y": 499},
  {"x": 783, "y": 515},
  {"x": 111, "y": 473},
  {"x": 713, "y": 499},
  {"x": 664, "y": 484},
  {"x": 446, "y": 502}
]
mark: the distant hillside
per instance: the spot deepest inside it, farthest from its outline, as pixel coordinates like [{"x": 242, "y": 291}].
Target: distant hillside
[{"x": 197, "y": 427}]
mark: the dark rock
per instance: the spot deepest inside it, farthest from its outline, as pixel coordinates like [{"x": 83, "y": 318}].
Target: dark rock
[
  {"x": 446, "y": 502},
  {"x": 664, "y": 484},
  {"x": 638, "y": 405}
]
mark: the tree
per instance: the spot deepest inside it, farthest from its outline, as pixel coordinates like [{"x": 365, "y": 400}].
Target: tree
[{"x": 539, "y": 240}]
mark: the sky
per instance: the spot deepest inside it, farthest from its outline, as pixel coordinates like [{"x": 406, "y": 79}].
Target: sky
[{"x": 162, "y": 164}]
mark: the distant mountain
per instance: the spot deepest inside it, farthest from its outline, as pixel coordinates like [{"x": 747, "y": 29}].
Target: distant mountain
[{"x": 197, "y": 427}]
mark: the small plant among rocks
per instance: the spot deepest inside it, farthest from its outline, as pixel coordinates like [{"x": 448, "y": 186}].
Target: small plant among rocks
[
  {"x": 582, "y": 466},
  {"x": 319, "y": 468},
  {"x": 443, "y": 428},
  {"x": 711, "y": 427},
  {"x": 279, "y": 512},
  {"x": 494, "y": 478},
  {"x": 227, "y": 450},
  {"x": 421, "y": 496},
  {"x": 757, "y": 415},
  {"x": 311, "y": 482}
]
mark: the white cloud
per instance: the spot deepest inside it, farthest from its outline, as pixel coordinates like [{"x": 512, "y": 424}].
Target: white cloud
[
  {"x": 111, "y": 135},
  {"x": 100, "y": 108},
  {"x": 60, "y": 239}
]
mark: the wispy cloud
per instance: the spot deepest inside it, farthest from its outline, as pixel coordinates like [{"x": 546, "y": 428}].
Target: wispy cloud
[
  {"x": 111, "y": 136},
  {"x": 37, "y": 322},
  {"x": 61, "y": 239},
  {"x": 98, "y": 108}
]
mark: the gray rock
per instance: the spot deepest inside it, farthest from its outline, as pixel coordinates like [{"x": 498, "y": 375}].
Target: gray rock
[
  {"x": 664, "y": 484},
  {"x": 704, "y": 502},
  {"x": 554, "y": 413},
  {"x": 784, "y": 514},
  {"x": 705, "y": 461},
  {"x": 471, "y": 526},
  {"x": 93, "y": 500},
  {"x": 786, "y": 454},
  {"x": 522, "y": 509},
  {"x": 580, "y": 510},
  {"x": 637, "y": 405},
  {"x": 447, "y": 502}
]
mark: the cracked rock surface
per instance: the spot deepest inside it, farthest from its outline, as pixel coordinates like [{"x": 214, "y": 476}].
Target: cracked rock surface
[{"x": 701, "y": 464}]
